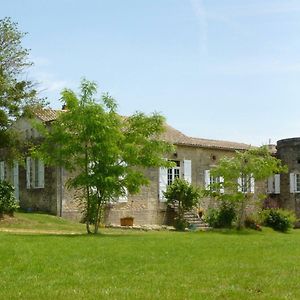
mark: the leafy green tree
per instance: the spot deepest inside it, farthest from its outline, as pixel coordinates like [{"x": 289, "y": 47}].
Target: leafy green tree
[
  {"x": 106, "y": 153},
  {"x": 17, "y": 95},
  {"x": 239, "y": 173},
  {"x": 184, "y": 196}
]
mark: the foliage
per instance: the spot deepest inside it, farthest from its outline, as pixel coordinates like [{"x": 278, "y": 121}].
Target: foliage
[
  {"x": 180, "y": 224},
  {"x": 278, "y": 219},
  {"x": 106, "y": 153},
  {"x": 221, "y": 217},
  {"x": 184, "y": 196},
  {"x": 252, "y": 222},
  {"x": 238, "y": 174},
  {"x": 17, "y": 95},
  {"x": 8, "y": 202}
]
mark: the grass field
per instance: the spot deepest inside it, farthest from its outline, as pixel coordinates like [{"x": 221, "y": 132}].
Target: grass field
[{"x": 124, "y": 264}]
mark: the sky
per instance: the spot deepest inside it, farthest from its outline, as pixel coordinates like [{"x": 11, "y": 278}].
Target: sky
[{"x": 217, "y": 69}]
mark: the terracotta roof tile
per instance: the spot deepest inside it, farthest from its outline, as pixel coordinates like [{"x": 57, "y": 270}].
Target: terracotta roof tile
[
  {"x": 171, "y": 134},
  {"x": 176, "y": 137},
  {"x": 47, "y": 114}
]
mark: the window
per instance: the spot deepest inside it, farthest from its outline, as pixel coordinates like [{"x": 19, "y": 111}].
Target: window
[
  {"x": 167, "y": 176},
  {"x": 294, "y": 182},
  {"x": 35, "y": 173},
  {"x": 246, "y": 184},
  {"x": 210, "y": 180},
  {"x": 274, "y": 184},
  {"x": 174, "y": 172}
]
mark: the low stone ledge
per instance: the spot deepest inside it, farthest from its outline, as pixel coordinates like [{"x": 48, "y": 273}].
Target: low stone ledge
[{"x": 151, "y": 227}]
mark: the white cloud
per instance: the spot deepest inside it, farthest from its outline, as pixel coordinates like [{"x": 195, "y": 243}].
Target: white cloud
[{"x": 49, "y": 83}]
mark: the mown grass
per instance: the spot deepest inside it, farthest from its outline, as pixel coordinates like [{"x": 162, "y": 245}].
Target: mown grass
[
  {"x": 41, "y": 222},
  {"x": 119, "y": 264}
]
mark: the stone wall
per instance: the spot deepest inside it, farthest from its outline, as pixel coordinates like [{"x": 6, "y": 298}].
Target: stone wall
[
  {"x": 39, "y": 199},
  {"x": 288, "y": 150},
  {"x": 146, "y": 207}
]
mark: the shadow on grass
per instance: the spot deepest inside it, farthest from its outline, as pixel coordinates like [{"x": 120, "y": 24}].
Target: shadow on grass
[
  {"x": 237, "y": 231},
  {"x": 99, "y": 235}
]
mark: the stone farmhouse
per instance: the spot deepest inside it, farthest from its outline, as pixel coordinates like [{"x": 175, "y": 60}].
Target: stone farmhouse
[{"x": 43, "y": 188}]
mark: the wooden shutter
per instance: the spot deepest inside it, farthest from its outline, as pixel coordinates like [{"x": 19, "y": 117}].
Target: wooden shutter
[
  {"x": 270, "y": 187},
  {"x": 206, "y": 179},
  {"x": 16, "y": 179},
  {"x": 163, "y": 183},
  {"x": 187, "y": 170},
  {"x": 28, "y": 172},
  {"x": 2, "y": 171},
  {"x": 292, "y": 183},
  {"x": 41, "y": 174},
  {"x": 277, "y": 183},
  {"x": 239, "y": 182},
  {"x": 252, "y": 184}
]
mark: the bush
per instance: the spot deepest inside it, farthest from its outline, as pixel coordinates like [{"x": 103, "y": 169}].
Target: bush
[
  {"x": 252, "y": 223},
  {"x": 222, "y": 217},
  {"x": 8, "y": 204},
  {"x": 180, "y": 224},
  {"x": 278, "y": 219}
]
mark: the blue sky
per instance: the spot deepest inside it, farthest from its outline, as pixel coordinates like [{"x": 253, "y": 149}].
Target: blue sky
[{"x": 219, "y": 69}]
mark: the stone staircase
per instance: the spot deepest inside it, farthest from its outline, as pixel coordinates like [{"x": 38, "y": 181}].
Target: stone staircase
[{"x": 195, "y": 222}]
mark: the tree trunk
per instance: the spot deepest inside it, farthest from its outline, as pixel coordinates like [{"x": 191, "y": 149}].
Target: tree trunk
[
  {"x": 97, "y": 217},
  {"x": 87, "y": 194},
  {"x": 241, "y": 215}
]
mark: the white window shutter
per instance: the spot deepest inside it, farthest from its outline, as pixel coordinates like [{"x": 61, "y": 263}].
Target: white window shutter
[
  {"x": 124, "y": 198},
  {"x": 277, "y": 183},
  {"x": 41, "y": 174},
  {"x": 239, "y": 181},
  {"x": 252, "y": 185},
  {"x": 187, "y": 170},
  {"x": 222, "y": 186},
  {"x": 16, "y": 179},
  {"x": 206, "y": 179},
  {"x": 163, "y": 182},
  {"x": 292, "y": 183},
  {"x": 2, "y": 170},
  {"x": 28, "y": 172},
  {"x": 270, "y": 188}
]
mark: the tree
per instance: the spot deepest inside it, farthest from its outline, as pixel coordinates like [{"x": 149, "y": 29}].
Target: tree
[
  {"x": 184, "y": 196},
  {"x": 17, "y": 95},
  {"x": 239, "y": 174},
  {"x": 107, "y": 153}
]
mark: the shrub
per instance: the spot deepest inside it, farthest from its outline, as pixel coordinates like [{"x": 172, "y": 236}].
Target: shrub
[
  {"x": 221, "y": 217},
  {"x": 8, "y": 204},
  {"x": 252, "y": 223},
  {"x": 180, "y": 224},
  {"x": 278, "y": 219}
]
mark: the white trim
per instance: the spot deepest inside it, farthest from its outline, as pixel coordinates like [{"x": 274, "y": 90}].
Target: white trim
[
  {"x": 2, "y": 171},
  {"x": 277, "y": 184},
  {"x": 187, "y": 170},
  {"x": 206, "y": 179},
  {"x": 28, "y": 172},
  {"x": 163, "y": 183}
]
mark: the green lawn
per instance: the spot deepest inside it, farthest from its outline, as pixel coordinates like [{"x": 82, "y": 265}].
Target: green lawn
[{"x": 123, "y": 264}]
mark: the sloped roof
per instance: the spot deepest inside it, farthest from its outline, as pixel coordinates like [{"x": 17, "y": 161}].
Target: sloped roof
[
  {"x": 47, "y": 114},
  {"x": 171, "y": 134},
  {"x": 176, "y": 137}
]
